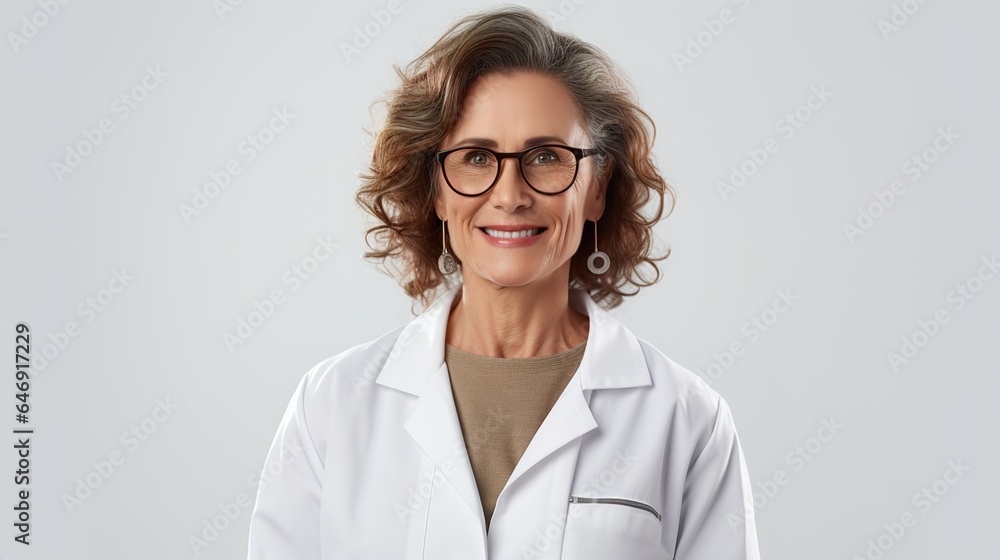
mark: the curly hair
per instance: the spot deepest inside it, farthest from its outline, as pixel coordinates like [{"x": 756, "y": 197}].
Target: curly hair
[{"x": 400, "y": 187}]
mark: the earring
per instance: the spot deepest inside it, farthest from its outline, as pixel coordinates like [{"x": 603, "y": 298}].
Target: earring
[
  {"x": 446, "y": 262},
  {"x": 605, "y": 261}
]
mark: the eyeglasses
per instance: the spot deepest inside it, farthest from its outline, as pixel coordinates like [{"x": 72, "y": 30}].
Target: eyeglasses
[{"x": 549, "y": 169}]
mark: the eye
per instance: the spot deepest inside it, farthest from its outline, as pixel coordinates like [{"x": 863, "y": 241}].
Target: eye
[
  {"x": 543, "y": 157},
  {"x": 478, "y": 158}
]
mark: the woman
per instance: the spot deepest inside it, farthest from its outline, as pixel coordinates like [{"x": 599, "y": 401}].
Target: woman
[{"x": 514, "y": 417}]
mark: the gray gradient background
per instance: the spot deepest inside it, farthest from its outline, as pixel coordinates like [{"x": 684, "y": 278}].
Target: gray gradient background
[{"x": 162, "y": 336}]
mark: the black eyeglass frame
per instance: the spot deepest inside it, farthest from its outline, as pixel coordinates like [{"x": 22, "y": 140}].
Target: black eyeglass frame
[{"x": 578, "y": 153}]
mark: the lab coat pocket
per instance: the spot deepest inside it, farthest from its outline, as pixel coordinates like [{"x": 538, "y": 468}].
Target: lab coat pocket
[{"x": 600, "y": 528}]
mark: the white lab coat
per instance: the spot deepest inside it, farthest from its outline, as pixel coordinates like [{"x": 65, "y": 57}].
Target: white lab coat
[{"x": 369, "y": 461}]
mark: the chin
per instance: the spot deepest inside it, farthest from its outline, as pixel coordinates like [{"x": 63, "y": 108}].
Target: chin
[{"x": 509, "y": 278}]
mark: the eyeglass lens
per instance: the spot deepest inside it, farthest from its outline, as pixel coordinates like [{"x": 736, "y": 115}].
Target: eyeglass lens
[{"x": 549, "y": 169}]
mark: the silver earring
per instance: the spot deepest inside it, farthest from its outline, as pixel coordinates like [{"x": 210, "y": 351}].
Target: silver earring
[
  {"x": 446, "y": 262},
  {"x": 605, "y": 261}
]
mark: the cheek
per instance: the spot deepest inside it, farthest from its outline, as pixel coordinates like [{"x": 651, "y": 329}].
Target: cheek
[
  {"x": 570, "y": 227},
  {"x": 451, "y": 206},
  {"x": 460, "y": 214}
]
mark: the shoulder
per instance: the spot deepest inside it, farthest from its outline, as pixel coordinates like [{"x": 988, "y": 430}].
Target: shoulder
[
  {"x": 332, "y": 387},
  {"x": 349, "y": 370},
  {"x": 687, "y": 391},
  {"x": 696, "y": 410}
]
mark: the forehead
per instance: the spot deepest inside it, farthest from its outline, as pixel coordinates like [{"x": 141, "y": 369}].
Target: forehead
[{"x": 510, "y": 109}]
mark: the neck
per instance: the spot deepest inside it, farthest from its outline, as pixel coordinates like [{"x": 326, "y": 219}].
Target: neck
[{"x": 516, "y": 321}]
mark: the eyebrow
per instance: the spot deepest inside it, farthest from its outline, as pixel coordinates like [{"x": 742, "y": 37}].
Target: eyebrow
[{"x": 490, "y": 143}]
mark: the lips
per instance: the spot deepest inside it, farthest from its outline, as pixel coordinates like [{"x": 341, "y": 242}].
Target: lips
[{"x": 512, "y": 232}]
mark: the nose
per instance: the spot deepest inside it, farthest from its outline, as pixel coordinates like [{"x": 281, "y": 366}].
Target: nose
[{"x": 511, "y": 190}]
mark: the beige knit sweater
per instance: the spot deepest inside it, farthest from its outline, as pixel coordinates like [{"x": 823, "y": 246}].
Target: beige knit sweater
[{"x": 501, "y": 402}]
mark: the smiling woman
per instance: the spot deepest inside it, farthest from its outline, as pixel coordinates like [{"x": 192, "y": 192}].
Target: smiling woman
[
  {"x": 515, "y": 416},
  {"x": 461, "y": 93}
]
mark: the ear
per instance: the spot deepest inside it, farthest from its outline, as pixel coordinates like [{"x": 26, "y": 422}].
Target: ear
[
  {"x": 597, "y": 201},
  {"x": 439, "y": 206}
]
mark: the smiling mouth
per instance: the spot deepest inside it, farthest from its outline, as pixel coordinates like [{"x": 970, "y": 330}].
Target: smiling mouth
[{"x": 512, "y": 234}]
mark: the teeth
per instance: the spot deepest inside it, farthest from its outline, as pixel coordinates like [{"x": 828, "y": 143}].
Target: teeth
[{"x": 512, "y": 234}]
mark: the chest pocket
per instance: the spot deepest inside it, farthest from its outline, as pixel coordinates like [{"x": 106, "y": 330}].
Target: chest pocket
[{"x": 599, "y": 528}]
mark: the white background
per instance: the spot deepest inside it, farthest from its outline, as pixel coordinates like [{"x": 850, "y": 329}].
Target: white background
[{"x": 63, "y": 236}]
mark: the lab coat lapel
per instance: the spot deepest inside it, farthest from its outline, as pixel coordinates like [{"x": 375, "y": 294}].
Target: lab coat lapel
[
  {"x": 434, "y": 426},
  {"x": 416, "y": 366}
]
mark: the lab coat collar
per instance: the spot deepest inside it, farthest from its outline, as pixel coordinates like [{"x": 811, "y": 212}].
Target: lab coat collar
[{"x": 611, "y": 359}]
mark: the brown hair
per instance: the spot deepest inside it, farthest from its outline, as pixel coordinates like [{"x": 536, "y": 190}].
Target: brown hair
[{"x": 400, "y": 187}]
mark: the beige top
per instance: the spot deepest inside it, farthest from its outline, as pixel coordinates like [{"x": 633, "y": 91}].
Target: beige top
[{"x": 501, "y": 402}]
